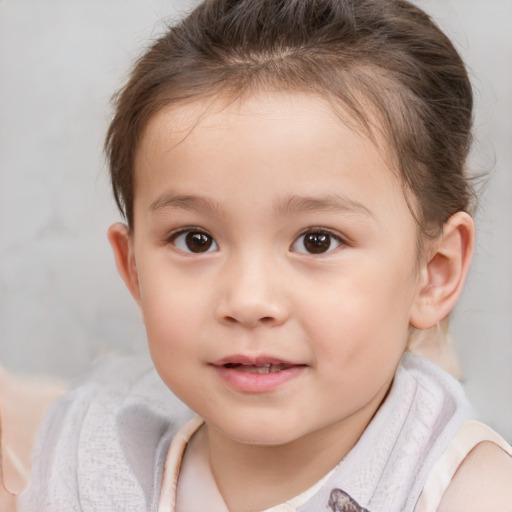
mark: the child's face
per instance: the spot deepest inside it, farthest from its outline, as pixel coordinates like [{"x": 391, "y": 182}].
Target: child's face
[{"x": 269, "y": 233}]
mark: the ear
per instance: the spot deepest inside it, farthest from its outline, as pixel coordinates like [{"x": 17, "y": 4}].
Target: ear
[
  {"x": 122, "y": 245},
  {"x": 443, "y": 274}
]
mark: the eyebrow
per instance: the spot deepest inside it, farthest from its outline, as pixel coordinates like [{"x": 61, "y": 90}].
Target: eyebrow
[
  {"x": 335, "y": 203},
  {"x": 292, "y": 205},
  {"x": 185, "y": 202}
]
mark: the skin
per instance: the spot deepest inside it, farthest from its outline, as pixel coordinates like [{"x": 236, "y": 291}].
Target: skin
[
  {"x": 256, "y": 177},
  {"x": 481, "y": 483}
]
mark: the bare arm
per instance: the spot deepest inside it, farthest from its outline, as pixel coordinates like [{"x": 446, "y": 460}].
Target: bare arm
[{"x": 482, "y": 483}]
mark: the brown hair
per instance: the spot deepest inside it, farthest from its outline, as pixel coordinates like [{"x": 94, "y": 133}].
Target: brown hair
[{"x": 376, "y": 59}]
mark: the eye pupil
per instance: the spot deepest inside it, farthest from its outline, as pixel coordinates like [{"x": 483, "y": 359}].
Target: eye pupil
[
  {"x": 316, "y": 243},
  {"x": 198, "y": 242}
]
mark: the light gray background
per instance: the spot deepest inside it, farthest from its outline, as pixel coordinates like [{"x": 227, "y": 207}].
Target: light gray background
[{"x": 61, "y": 301}]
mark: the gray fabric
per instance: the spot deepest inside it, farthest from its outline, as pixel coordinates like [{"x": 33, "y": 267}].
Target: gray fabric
[
  {"x": 387, "y": 468},
  {"x": 103, "y": 445}
]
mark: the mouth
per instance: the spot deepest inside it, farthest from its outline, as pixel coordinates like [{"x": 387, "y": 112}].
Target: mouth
[
  {"x": 257, "y": 374},
  {"x": 258, "y": 368}
]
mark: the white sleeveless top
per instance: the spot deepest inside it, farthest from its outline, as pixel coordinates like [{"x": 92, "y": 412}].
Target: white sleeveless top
[
  {"x": 104, "y": 446},
  {"x": 191, "y": 478}
]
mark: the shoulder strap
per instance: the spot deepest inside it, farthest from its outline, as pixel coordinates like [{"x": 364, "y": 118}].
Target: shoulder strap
[
  {"x": 173, "y": 460},
  {"x": 467, "y": 438}
]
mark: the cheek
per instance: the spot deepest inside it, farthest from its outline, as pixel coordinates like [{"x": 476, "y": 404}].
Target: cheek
[
  {"x": 170, "y": 326},
  {"x": 168, "y": 321},
  {"x": 171, "y": 310},
  {"x": 361, "y": 315}
]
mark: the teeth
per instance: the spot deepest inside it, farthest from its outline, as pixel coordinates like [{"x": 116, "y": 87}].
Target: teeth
[{"x": 263, "y": 369}]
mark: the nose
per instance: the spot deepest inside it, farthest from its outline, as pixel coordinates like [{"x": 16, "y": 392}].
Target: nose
[{"x": 252, "y": 294}]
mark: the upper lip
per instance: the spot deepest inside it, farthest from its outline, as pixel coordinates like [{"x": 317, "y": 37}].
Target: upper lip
[{"x": 253, "y": 361}]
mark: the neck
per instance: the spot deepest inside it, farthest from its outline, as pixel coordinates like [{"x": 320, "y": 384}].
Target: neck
[{"x": 256, "y": 477}]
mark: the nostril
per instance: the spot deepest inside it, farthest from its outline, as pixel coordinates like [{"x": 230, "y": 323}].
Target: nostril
[
  {"x": 250, "y": 312},
  {"x": 266, "y": 320}
]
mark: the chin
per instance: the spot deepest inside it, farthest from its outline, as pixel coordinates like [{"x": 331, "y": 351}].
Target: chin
[
  {"x": 262, "y": 440},
  {"x": 259, "y": 434}
]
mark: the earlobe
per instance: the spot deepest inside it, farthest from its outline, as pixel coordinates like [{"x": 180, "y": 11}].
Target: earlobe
[
  {"x": 122, "y": 246},
  {"x": 443, "y": 275}
]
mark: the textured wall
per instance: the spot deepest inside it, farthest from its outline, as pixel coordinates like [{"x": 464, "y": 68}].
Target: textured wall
[{"x": 61, "y": 302}]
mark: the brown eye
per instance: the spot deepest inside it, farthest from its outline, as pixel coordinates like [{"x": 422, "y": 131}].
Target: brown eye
[
  {"x": 316, "y": 242},
  {"x": 195, "y": 242}
]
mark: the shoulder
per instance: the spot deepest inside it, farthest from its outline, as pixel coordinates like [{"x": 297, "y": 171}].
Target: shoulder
[
  {"x": 114, "y": 388},
  {"x": 103, "y": 438},
  {"x": 482, "y": 482},
  {"x": 474, "y": 473}
]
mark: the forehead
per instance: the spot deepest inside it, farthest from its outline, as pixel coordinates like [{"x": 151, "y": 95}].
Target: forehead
[
  {"x": 296, "y": 142},
  {"x": 304, "y": 115}
]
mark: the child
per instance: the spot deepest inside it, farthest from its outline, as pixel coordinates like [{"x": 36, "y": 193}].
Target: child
[{"x": 292, "y": 174}]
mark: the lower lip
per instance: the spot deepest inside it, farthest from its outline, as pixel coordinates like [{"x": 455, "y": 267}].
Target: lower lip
[{"x": 258, "y": 382}]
